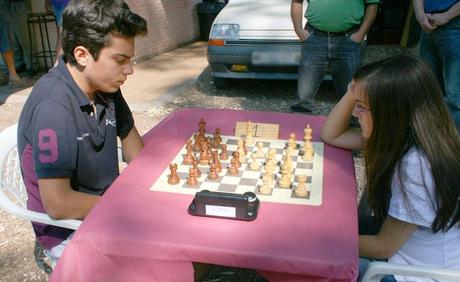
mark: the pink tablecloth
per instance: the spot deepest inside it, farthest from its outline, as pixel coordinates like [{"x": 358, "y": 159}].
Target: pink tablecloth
[{"x": 135, "y": 234}]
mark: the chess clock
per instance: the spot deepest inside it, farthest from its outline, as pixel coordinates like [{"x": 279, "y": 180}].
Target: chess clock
[{"x": 225, "y": 205}]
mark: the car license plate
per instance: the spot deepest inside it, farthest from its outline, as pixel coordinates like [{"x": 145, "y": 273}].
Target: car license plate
[{"x": 275, "y": 58}]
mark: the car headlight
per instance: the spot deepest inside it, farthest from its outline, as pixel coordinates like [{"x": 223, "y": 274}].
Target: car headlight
[{"x": 225, "y": 31}]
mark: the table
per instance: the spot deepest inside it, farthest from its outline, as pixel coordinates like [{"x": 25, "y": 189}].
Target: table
[{"x": 134, "y": 234}]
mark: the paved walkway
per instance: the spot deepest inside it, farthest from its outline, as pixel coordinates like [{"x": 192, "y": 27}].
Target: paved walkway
[{"x": 154, "y": 81}]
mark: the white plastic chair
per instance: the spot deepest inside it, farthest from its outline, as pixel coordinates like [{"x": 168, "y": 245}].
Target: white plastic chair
[
  {"x": 377, "y": 270},
  {"x": 13, "y": 194}
]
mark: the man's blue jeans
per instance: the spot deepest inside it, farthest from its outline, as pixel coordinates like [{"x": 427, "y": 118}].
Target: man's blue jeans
[
  {"x": 342, "y": 55},
  {"x": 441, "y": 50}
]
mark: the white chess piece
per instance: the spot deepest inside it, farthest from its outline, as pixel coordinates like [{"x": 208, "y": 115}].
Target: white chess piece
[
  {"x": 265, "y": 188},
  {"x": 254, "y": 165},
  {"x": 249, "y": 134},
  {"x": 260, "y": 150},
  {"x": 301, "y": 189}
]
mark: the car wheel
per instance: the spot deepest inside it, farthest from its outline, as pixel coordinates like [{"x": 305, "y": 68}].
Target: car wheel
[{"x": 220, "y": 83}]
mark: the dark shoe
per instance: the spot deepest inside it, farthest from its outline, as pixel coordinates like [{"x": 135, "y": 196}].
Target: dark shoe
[
  {"x": 31, "y": 72},
  {"x": 3, "y": 80},
  {"x": 298, "y": 108},
  {"x": 17, "y": 83},
  {"x": 21, "y": 68}
]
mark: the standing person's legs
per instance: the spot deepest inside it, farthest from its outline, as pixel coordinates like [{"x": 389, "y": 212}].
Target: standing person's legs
[
  {"x": 312, "y": 68},
  {"x": 55, "y": 253},
  {"x": 8, "y": 57},
  {"x": 6, "y": 51},
  {"x": 346, "y": 57},
  {"x": 448, "y": 39},
  {"x": 430, "y": 54},
  {"x": 58, "y": 11},
  {"x": 19, "y": 12}
]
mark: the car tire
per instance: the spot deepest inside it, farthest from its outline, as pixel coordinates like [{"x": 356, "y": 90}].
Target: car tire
[{"x": 220, "y": 83}]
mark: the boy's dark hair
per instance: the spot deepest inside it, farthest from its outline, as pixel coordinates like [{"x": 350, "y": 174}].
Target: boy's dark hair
[
  {"x": 408, "y": 110},
  {"x": 89, "y": 23}
]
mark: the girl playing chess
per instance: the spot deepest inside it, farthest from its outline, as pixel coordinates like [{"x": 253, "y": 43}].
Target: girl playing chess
[{"x": 412, "y": 155}]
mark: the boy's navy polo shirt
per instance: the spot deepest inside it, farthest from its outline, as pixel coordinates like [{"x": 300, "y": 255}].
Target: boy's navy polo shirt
[{"x": 59, "y": 136}]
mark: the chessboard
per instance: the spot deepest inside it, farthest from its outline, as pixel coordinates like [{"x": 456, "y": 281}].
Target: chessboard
[{"x": 251, "y": 180}]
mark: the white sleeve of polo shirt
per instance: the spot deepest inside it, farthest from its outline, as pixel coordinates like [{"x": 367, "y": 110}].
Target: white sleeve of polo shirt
[
  {"x": 413, "y": 200},
  {"x": 54, "y": 141}
]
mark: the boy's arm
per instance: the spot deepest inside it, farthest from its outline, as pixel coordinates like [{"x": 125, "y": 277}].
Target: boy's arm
[
  {"x": 132, "y": 144},
  {"x": 62, "y": 202}
]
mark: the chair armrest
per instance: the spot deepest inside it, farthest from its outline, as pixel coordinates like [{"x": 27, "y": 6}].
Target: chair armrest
[
  {"x": 377, "y": 270},
  {"x": 21, "y": 212}
]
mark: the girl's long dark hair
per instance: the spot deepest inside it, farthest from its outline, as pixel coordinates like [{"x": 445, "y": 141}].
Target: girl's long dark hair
[{"x": 408, "y": 110}]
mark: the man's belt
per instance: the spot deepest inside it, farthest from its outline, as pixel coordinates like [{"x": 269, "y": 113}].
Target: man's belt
[{"x": 332, "y": 33}]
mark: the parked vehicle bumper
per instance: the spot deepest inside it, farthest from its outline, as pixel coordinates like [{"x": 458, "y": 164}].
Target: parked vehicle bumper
[{"x": 262, "y": 60}]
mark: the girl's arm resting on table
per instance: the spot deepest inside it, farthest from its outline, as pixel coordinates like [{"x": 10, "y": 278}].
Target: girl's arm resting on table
[
  {"x": 336, "y": 131},
  {"x": 391, "y": 237}
]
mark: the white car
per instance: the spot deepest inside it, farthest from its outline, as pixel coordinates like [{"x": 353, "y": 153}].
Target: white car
[{"x": 253, "y": 39}]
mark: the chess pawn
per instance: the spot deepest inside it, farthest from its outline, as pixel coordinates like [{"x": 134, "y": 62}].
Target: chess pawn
[
  {"x": 197, "y": 169},
  {"x": 217, "y": 139},
  {"x": 209, "y": 142},
  {"x": 285, "y": 181},
  {"x": 236, "y": 156},
  {"x": 241, "y": 150},
  {"x": 264, "y": 189},
  {"x": 254, "y": 165},
  {"x": 233, "y": 168},
  {"x": 197, "y": 143},
  {"x": 188, "y": 158},
  {"x": 223, "y": 154},
  {"x": 204, "y": 156},
  {"x": 270, "y": 167},
  {"x": 307, "y": 155},
  {"x": 191, "y": 180},
  {"x": 301, "y": 189},
  {"x": 212, "y": 174},
  {"x": 269, "y": 178},
  {"x": 308, "y": 144},
  {"x": 291, "y": 141},
  {"x": 173, "y": 178},
  {"x": 260, "y": 150},
  {"x": 215, "y": 159}
]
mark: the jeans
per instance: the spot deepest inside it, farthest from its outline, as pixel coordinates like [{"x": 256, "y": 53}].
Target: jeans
[
  {"x": 364, "y": 264},
  {"x": 18, "y": 12},
  {"x": 342, "y": 55},
  {"x": 441, "y": 50},
  {"x": 368, "y": 225}
]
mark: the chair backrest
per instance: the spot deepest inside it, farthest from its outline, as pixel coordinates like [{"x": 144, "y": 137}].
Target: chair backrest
[
  {"x": 13, "y": 193},
  {"x": 377, "y": 270}
]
